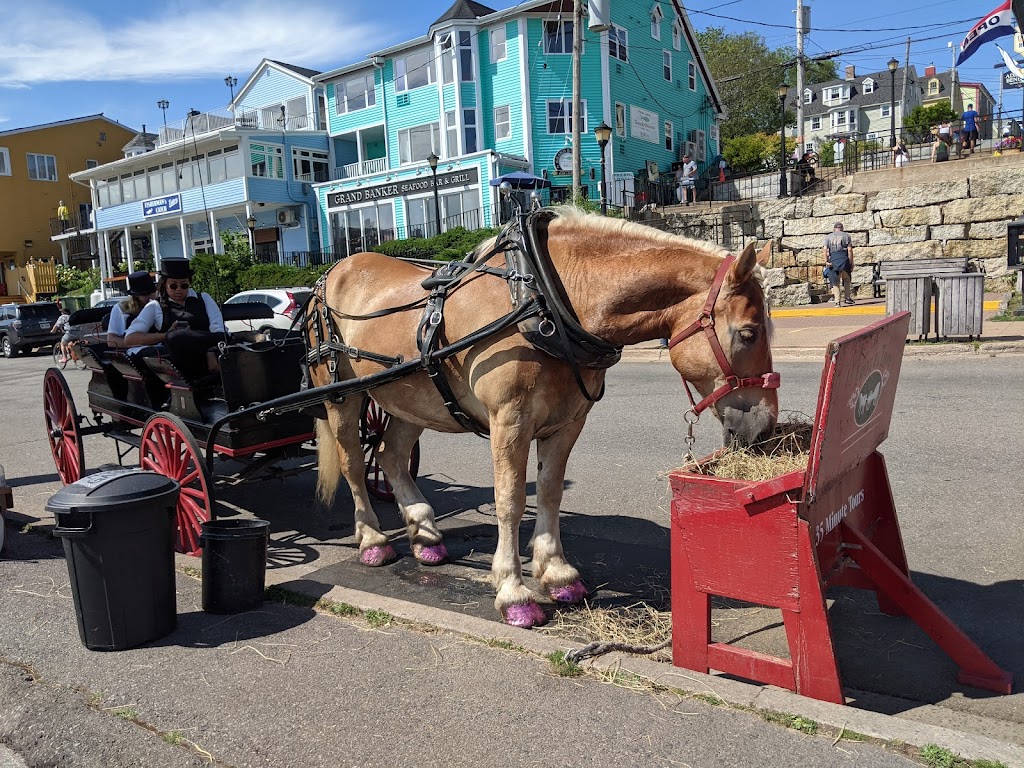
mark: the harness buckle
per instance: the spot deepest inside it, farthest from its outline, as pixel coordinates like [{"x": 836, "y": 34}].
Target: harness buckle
[
  {"x": 733, "y": 381},
  {"x": 435, "y": 317},
  {"x": 706, "y": 319},
  {"x": 546, "y": 328}
]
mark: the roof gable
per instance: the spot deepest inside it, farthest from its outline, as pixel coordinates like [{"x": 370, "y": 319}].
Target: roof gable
[{"x": 464, "y": 10}]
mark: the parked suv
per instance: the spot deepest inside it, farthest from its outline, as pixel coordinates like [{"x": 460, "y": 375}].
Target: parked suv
[
  {"x": 24, "y": 327},
  {"x": 284, "y": 301}
]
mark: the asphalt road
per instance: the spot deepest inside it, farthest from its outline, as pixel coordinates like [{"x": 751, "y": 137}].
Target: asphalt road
[{"x": 951, "y": 453}]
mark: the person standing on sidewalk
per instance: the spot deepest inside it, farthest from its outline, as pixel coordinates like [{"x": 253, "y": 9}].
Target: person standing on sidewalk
[
  {"x": 969, "y": 134},
  {"x": 839, "y": 257}
]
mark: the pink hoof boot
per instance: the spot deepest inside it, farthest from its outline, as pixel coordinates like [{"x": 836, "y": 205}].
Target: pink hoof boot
[
  {"x": 525, "y": 615},
  {"x": 570, "y": 593},
  {"x": 375, "y": 556},
  {"x": 433, "y": 554}
]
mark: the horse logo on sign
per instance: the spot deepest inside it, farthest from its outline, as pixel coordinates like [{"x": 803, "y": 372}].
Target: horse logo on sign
[{"x": 866, "y": 399}]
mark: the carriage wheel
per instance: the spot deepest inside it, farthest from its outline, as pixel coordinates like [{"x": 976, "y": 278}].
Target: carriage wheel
[
  {"x": 62, "y": 427},
  {"x": 372, "y": 424},
  {"x": 169, "y": 449}
]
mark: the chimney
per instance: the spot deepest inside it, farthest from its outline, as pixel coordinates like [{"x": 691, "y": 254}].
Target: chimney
[
  {"x": 929, "y": 71},
  {"x": 851, "y": 72}
]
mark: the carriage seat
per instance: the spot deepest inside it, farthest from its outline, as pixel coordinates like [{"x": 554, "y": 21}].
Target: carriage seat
[
  {"x": 93, "y": 355},
  {"x": 173, "y": 377},
  {"x": 246, "y": 310}
]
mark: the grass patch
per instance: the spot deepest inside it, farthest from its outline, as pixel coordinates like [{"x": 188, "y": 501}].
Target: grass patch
[
  {"x": 192, "y": 572},
  {"x": 35, "y": 529},
  {"x": 505, "y": 645},
  {"x": 935, "y": 756},
  {"x": 378, "y": 619},
  {"x": 126, "y": 713},
  {"x": 276, "y": 594},
  {"x": 1009, "y": 315},
  {"x": 337, "y": 609},
  {"x": 562, "y": 666},
  {"x": 796, "y": 722},
  {"x": 708, "y": 698},
  {"x": 173, "y": 737}
]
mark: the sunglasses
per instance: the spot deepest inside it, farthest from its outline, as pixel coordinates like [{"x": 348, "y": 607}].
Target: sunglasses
[{"x": 176, "y": 286}]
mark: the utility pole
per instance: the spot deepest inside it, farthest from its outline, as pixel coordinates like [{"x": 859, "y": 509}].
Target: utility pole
[
  {"x": 903, "y": 97},
  {"x": 801, "y": 29},
  {"x": 577, "y": 72}
]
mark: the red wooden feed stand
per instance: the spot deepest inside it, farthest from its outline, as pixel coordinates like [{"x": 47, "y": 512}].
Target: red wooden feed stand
[{"x": 782, "y": 542}]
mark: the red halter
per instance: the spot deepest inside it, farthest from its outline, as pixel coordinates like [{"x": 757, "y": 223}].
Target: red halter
[{"x": 706, "y": 321}]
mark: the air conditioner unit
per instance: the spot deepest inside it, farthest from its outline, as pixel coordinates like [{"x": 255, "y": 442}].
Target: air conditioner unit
[
  {"x": 688, "y": 148},
  {"x": 287, "y": 217},
  {"x": 700, "y": 141}
]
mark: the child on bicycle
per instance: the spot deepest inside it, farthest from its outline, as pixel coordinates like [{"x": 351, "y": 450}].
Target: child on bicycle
[{"x": 69, "y": 333}]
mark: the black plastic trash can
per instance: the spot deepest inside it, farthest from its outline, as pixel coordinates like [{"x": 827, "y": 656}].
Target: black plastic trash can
[
  {"x": 118, "y": 534},
  {"x": 234, "y": 564}
]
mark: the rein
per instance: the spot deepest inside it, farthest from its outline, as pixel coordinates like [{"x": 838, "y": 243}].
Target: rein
[{"x": 706, "y": 322}]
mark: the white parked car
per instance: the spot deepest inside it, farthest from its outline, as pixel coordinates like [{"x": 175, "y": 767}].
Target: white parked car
[{"x": 284, "y": 302}]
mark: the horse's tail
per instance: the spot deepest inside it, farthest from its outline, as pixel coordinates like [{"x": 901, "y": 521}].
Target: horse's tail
[{"x": 329, "y": 461}]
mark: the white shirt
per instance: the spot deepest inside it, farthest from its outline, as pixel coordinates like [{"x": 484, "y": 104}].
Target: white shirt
[
  {"x": 116, "y": 323},
  {"x": 689, "y": 171},
  {"x": 152, "y": 316}
]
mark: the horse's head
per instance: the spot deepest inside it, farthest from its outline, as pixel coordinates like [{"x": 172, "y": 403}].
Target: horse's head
[{"x": 722, "y": 346}]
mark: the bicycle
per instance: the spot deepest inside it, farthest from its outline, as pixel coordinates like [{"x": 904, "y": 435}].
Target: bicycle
[{"x": 61, "y": 362}]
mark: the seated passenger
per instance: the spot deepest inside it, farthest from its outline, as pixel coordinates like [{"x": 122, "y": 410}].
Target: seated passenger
[
  {"x": 141, "y": 290},
  {"x": 188, "y": 324}
]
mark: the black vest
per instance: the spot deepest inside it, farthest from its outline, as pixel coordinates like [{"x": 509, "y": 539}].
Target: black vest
[{"x": 193, "y": 312}]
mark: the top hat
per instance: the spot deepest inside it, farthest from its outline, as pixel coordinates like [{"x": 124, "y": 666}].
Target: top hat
[
  {"x": 176, "y": 268},
  {"x": 141, "y": 284}
]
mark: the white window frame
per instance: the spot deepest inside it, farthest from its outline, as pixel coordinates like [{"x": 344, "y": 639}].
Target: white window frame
[
  {"x": 314, "y": 157},
  {"x": 341, "y": 105},
  {"x": 470, "y": 123},
  {"x": 620, "y": 125},
  {"x": 561, "y": 42},
  {"x": 869, "y": 86},
  {"x": 669, "y": 136},
  {"x": 5, "y": 161},
  {"x": 494, "y": 45},
  {"x": 566, "y": 116},
  {"x": 506, "y": 123},
  {"x": 467, "y": 69},
  {"x": 405, "y": 152},
  {"x": 871, "y": 136},
  {"x": 816, "y": 123},
  {"x": 808, "y": 95},
  {"x": 677, "y": 34},
  {"x": 451, "y": 133},
  {"x": 91, "y": 163},
  {"x": 691, "y": 75},
  {"x": 885, "y": 110},
  {"x": 274, "y": 152},
  {"x": 402, "y": 77},
  {"x": 656, "y": 18},
  {"x": 933, "y": 87},
  {"x": 666, "y": 65},
  {"x": 618, "y": 43},
  {"x": 33, "y": 163},
  {"x": 447, "y": 59}
]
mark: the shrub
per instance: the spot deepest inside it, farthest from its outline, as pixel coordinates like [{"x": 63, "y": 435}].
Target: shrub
[{"x": 79, "y": 282}]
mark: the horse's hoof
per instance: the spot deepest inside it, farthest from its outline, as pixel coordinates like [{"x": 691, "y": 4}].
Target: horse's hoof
[
  {"x": 570, "y": 593},
  {"x": 375, "y": 556},
  {"x": 430, "y": 554},
  {"x": 525, "y": 615}
]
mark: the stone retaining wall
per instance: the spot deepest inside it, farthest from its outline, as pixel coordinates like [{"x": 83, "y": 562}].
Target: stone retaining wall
[{"x": 950, "y": 210}]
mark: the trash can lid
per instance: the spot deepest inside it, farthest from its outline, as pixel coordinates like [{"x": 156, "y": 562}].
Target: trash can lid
[{"x": 111, "y": 488}]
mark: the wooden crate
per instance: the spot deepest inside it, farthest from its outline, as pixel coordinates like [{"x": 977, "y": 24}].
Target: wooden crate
[
  {"x": 911, "y": 294},
  {"x": 961, "y": 304}
]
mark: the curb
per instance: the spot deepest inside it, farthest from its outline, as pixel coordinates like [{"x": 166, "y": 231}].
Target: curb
[
  {"x": 891, "y": 728},
  {"x": 795, "y": 354},
  {"x": 992, "y": 305}
]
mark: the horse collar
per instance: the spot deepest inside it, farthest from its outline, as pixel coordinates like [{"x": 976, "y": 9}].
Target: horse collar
[{"x": 706, "y": 322}]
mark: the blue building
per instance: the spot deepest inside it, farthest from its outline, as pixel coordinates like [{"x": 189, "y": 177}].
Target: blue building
[
  {"x": 249, "y": 169},
  {"x": 487, "y": 92}
]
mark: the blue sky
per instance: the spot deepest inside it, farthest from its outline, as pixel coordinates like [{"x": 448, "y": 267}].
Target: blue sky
[{"x": 69, "y": 59}]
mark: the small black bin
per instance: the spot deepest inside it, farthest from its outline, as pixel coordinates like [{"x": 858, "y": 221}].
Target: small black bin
[
  {"x": 118, "y": 534},
  {"x": 234, "y": 564}
]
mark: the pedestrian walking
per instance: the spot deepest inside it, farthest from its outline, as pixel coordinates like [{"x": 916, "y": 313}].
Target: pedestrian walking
[
  {"x": 969, "y": 134},
  {"x": 839, "y": 263},
  {"x": 689, "y": 179}
]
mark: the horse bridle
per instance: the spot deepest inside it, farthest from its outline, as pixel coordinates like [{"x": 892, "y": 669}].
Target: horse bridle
[{"x": 706, "y": 321}]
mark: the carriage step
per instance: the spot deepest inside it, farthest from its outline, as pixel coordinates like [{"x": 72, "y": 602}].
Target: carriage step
[{"x": 126, "y": 437}]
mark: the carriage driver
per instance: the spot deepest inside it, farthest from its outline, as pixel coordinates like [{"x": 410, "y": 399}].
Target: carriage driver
[{"x": 189, "y": 324}]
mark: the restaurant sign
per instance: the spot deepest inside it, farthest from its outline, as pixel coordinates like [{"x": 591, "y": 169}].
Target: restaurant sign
[
  {"x": 403, "y": 187},
  {"x": 160, "y": 206}
]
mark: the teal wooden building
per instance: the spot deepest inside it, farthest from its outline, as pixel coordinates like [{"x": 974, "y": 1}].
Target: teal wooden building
[{"x": 488, "y": 92}]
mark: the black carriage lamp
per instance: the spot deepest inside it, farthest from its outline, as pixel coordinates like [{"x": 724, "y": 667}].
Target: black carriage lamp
[
  {"x": 231, "y": 82},
  {"x": 783, "y": 185},
  {"x": 162, "y": 105},
  {"x": 432, "y": 162},
  {"x": 893, "y": 64},
  {"x": 251, "y": 224},
  {"x": 603, "y": 134}
]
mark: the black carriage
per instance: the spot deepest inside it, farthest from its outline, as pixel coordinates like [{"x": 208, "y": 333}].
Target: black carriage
[{"x": 181, "y": 425}]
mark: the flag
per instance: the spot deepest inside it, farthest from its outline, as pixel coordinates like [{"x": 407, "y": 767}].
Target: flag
[
  {"x": 1011, "y": 64},
  {"x": 994, "y": 25}
]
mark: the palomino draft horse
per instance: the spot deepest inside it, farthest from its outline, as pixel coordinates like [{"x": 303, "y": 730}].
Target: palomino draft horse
[{"x": 625, "y": 283}]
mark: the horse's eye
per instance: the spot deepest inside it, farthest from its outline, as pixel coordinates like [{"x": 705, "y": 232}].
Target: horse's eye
[{"x": 747, "y": 335}]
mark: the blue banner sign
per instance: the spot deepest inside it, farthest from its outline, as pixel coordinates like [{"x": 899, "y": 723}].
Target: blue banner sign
[{"x": 159, "y": 206}]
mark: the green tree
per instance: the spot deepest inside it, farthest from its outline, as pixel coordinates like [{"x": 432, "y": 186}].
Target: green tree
[
  {"x": 756, "y": 153},
  {"x": 921, "y": 120}
]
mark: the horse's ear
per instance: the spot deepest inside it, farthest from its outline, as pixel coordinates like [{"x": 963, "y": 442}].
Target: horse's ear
[
  {"x": 764, "y": 254},
  {"x": 743, "y": 266}
]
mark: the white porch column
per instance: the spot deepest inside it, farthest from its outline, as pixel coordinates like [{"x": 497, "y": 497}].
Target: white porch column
[
  {"x": 218, "y": 246},
  {"x": 154, "y": 236},
  {"x": 64, "y": 252},
  {"x": 126, "y": 249},
  {"x": 104, "y": 262},
  {"x": 184, "y": 238},
  {"x": 359, "y": 148}
]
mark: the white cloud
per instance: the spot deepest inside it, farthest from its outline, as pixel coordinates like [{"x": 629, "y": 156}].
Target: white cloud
[{"x": 182, "y": 43}]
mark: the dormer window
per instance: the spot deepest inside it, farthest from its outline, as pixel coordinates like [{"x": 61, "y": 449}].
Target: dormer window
[
  {"x": 808, "y": 95},
  {"x": 836, "y": 94},
  {"x": 933, "y": 87},
  {"x": 677, "y": 34},
  {"x": 869, "y": 86},
  {"x": 656, "y": 18}
]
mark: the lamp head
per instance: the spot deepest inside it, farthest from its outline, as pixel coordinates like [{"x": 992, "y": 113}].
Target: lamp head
[
  {"x": 783, "y": 91},
  {"x": 893, "y": 64},
  {"x": 432, "y": 161},
  {"x": 603, "y": 134},
  {"x": 251, "y": 222}
]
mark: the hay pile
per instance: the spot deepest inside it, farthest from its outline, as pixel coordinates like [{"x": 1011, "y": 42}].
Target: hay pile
[{"x": 787, "y": 450}]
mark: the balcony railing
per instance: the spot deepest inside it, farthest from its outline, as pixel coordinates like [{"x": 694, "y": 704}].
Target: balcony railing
[
  {"x": 76, "y": 221},
  {"x": 377, "y": 165},
  {"x": 205, "y": 122}
]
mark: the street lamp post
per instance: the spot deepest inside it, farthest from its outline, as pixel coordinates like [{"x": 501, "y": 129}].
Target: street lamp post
[
  {"x": 231, "y": 82},
  {"x": 162, "y": 105},
  {"x": 251, "y": 224},
  {"x": 603, "y": 134},
  {"x": 783, "y": 183},
  {"x": 892, "y": 107},
  {"x": 432, "y": 159}
]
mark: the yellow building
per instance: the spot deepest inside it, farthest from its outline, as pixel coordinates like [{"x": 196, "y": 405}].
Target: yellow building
[{"x": 35, "y": 163}]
